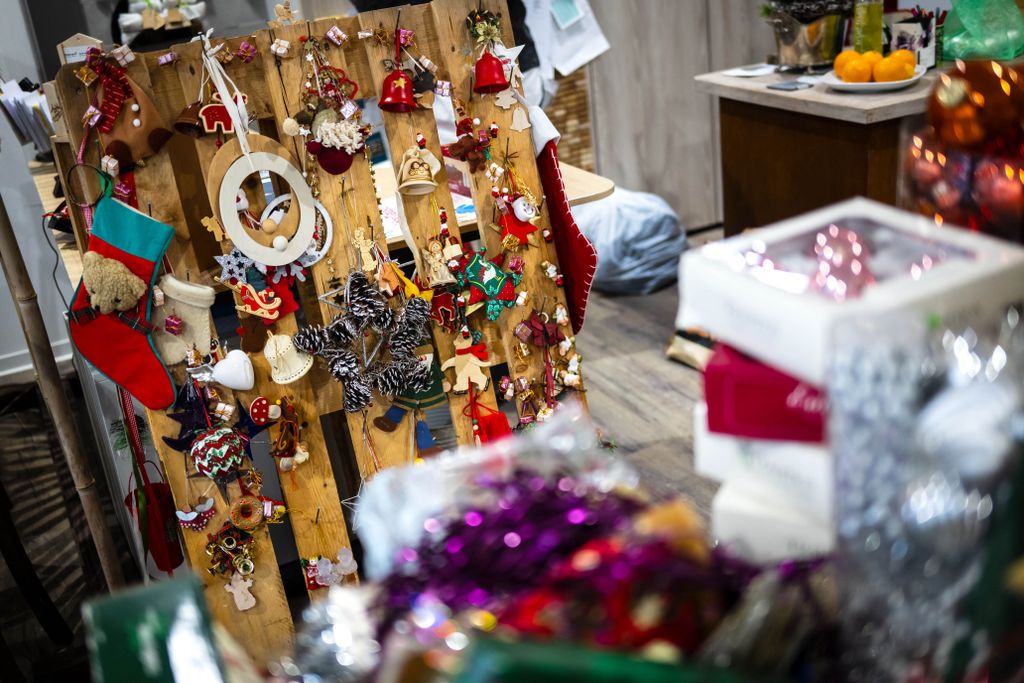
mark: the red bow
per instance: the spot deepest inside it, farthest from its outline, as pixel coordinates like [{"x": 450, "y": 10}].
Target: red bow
[
  {"x": 478, "y": 350},
  {"x": 116, "y": 88}
]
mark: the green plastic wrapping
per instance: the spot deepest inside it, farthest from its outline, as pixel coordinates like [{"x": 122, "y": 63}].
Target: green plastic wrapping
[{"x": 984, "y": 29}]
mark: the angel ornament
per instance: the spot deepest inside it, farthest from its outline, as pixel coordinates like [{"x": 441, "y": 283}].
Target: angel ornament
[
  {"x": 367, "y": 259},
  {"x": 436, "y": 264}
]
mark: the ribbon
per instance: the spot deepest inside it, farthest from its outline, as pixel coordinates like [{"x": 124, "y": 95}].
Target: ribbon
[
  {"x": 116, "y": 89},
  {"x": 478, "y": 350},
  {"x": 545, "y": 335},
  {"x": 230, "y": 96}
]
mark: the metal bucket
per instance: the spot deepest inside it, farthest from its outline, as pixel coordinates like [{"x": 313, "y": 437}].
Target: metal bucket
[{"x": 807, "y": 46}]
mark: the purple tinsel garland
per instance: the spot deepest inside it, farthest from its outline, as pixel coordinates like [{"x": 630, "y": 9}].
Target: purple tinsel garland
[{"x": 485, "y": 555}]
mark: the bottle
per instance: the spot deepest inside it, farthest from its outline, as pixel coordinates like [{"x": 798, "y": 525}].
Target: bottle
[{"x": 867, "y": 25}]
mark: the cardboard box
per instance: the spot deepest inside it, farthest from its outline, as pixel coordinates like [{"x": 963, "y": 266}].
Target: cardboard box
[
  {"x": 761, "y": 291},
  {"x": 763, "y": 527},
  {"x": 799, "y": 472}
]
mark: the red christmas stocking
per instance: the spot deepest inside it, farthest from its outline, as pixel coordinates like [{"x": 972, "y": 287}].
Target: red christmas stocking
[
  {"x": 110, "y": 312},
  {"x": 576, "y": 255}
]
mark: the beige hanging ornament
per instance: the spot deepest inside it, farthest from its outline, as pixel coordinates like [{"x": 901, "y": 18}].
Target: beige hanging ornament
[
  {"x": 416, "y": 174},
  {"x": 520, "y": 120}
]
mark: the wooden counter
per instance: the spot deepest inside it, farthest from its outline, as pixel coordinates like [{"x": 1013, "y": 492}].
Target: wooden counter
[{"x": 786, "y": 153}]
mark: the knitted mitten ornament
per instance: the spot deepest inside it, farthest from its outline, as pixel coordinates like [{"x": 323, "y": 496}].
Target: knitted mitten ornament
[
  {"x": 183, "y": 321},
  {"x": 108, "y": 317}
]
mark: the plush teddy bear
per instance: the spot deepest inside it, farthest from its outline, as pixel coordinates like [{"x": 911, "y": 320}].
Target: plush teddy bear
[
  {"x": 110, "y": 284},
  {"x": 468, "y": 149}
]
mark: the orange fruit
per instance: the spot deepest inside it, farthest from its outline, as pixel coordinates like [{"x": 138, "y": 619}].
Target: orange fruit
[
  {"x": 842, "y": 59},
  {"x": 889, "y": 69},
  {"x": 905, "y": 56},
  {"x": 872, "y": 57},
  {"x": 857, "y": 71}
]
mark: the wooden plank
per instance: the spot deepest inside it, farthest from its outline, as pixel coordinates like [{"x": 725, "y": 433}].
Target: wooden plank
[
  {"x": 268, "y": 625},
  {"x": 349, "y": 211},
  {"x": 315, "y": 512},
  {"x": 458, "y": 56},
  {"x": 420, "y": 215}
]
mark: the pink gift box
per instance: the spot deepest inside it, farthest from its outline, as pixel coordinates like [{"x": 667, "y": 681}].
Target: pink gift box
[{"x": 750, "y": 399}]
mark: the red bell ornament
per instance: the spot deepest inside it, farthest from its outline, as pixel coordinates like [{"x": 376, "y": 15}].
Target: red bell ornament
[
  {"x": 396, "y": 93},
  {"x": 490, "y": 75}
]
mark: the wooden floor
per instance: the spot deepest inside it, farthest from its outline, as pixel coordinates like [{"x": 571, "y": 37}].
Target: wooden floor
[{"x": 642, "y": 400}]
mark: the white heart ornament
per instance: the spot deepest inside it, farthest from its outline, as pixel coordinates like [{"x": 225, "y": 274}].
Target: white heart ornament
[{"x": 234, "y": 371}]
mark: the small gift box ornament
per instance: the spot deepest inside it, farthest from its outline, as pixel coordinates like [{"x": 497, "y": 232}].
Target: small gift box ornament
[
  {"x": 443, "y": 88},
  {"x": 364, "y": 34},
  {"x": 123, "y": 55},
  {"x": 506, "y": 387},
  {"x": 523, "y": 298},
  {"x": 110, "y": 166},
  {"x": 223, "y": 411},
  {"x": 158, "y": 297},
  {"x": 280, "y": 47},
  {"x": 86, "y": 75},
  {"x": 173, "y": 325},
  {"x": 246, "y": 51},
  {"x": 167, "y": 58},
  {"x": 336, "y": 36}
]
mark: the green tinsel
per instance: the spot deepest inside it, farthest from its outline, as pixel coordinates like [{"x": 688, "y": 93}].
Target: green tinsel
[{"x": 120, "y": 435}]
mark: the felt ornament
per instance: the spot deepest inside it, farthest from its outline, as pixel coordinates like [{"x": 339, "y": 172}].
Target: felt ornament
[
  {"x": 188, "y": 303},
  {"x": 197, "y": 517},
  {"x": 253, "y": 333},
  {"x": 118, "y": 342},
  {"x": 416, "y": 402},
  {"x": 390, "y": 367},
  {"x": 130, "y": 127},
  {"x": 487, "y": 283},
  {"x": 518, "y": 221},
  {"x": 234, "y": 266},
  {"x": 469, "y": 363}
]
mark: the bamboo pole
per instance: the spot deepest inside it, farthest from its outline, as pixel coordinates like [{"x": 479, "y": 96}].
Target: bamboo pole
[{"x": 48, "y": 378}]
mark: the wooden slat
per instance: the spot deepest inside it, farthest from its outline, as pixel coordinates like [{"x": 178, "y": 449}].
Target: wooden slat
[
  {"x": 420, "y": 216},
  {"x": 459, "y": 57},
  {"x": 315, "y": 513},
  {"x": 394, "y": 448}
]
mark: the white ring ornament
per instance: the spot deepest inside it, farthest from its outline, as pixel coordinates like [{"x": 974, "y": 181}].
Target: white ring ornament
[
  {"x": 284, "y": 250},
  {"x": 319, "y": 254}
]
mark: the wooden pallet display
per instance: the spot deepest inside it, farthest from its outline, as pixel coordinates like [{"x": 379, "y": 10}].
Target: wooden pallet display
[{"x": 169, "y": 188}]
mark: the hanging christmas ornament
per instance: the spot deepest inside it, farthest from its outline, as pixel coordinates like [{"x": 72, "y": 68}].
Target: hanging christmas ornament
[
  {"x": 416, "y": 174},
  {"x": 388, "y": 363},
  {"x": 489, "y": 72},
  {"x": 197, "y": 517},
  {"x": 488, "y": 284},
  {"x": 469, "y": 362},
  {"x": 416, "y": 402},
  {"x": 396, "y": 94},
  {"x": 218, "y": 453}
]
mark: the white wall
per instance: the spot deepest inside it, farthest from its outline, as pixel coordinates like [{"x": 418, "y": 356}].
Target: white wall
[{"x": 25, "y": 210}]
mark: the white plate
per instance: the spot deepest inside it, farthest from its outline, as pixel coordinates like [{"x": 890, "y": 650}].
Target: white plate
[{"x": 831, "y": 80}]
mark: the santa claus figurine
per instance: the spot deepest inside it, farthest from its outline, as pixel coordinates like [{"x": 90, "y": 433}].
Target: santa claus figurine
[{"x": 518, "y": 221}]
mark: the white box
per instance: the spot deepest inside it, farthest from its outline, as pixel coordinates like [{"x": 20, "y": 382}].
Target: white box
[
  {"x": 766, "y": 307},
  {"x": 763, "y": 527},
  {"x": 799, "y": 472}
]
